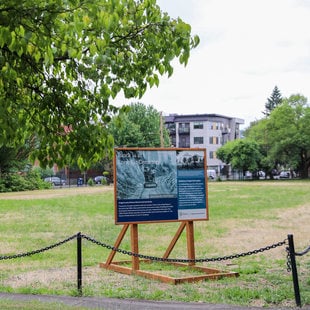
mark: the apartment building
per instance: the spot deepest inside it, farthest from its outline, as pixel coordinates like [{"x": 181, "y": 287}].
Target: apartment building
[{"x": 209, "y": 131}]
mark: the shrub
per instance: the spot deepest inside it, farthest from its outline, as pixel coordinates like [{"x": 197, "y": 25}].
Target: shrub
[
  {"x": 43, "y": 173},
  {"x": 13, "y": 182},
  {"x": 90, "y": 182},
  {"x": 34, "y": 177},
  {"x": 2, "y": 186}
]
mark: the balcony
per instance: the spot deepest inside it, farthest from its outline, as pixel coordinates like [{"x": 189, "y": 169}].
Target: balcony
[
  {"x": 184, "y": 145},
  {"x": 225, "y": 130},
  {"x": 172, "y": 131},
  {"x": 184, "y": 130}
]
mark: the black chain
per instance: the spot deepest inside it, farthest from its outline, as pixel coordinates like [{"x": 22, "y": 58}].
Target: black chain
[
  {"x": 177, "y": 260},
  {"x": 39, "y": 250},
  {"x": 148, "y": 257},
  {"x": 305, "y": 251},
  {"x": 288, "y": 260}
]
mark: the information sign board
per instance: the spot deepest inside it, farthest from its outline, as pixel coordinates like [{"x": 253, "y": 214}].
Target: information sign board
[{"x": 160, "y": 184}]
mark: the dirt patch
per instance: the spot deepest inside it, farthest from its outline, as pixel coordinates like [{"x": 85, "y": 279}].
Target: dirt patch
[
  {"x": 48, "y": 276},
  {"x": 58, "y": 276},
  {"x": 244, "y": 235}
]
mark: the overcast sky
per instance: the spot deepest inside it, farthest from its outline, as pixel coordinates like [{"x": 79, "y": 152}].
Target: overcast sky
[{"x": 247, "y": 47}]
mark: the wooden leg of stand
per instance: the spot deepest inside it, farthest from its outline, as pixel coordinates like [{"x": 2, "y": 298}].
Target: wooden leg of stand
[
  {"x": 117, "y": 243},
  {"x": 174, "y": 240},
  {"x": 134, "y": 246},
  {"x": 190, "y": 241}
]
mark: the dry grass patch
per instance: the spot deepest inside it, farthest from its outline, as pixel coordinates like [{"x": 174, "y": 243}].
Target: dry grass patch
[
  {"x": 245, "y": 235},
  {"x": 56, "y": 192}
]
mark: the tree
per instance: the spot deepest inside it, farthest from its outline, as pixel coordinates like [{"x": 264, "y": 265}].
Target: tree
[
  {"x": 241, "y": 154},
  {"x": 289, "y": 134},
  {"x": 272, "y": 102},
  {"x": 62, "y": 61},
  {"x": 125, "y": 132},
  {"x": 258, "y": 132},
  {"x": 284, "y": 137},
  {"x": 141, "y": 126},
  {"x": 14, "y": 159}
]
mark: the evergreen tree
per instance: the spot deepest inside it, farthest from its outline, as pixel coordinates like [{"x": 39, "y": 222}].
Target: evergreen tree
[{"x": 273, "y": 101}]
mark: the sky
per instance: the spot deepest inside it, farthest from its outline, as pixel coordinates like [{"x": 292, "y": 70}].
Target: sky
[{"x": 247, "y": 47}]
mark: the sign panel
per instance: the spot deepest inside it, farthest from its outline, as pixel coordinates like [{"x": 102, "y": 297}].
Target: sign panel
[{"x": 164, "y": 184}]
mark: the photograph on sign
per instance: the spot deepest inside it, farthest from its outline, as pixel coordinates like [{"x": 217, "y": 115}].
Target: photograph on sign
[{"x": 153, "y": 185}]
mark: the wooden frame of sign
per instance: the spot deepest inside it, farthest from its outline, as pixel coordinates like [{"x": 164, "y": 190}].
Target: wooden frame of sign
[
  {"x": 206, "y": 273},
  {"x": 185, "y": 202}
]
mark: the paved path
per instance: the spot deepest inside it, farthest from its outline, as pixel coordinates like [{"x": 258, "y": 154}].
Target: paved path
[{"x": 129, "y": 304}]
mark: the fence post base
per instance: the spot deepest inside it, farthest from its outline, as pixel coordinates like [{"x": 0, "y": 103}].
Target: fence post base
[
  {"x": 294, "y": 269},
  {"x": 79, "y": 264}
]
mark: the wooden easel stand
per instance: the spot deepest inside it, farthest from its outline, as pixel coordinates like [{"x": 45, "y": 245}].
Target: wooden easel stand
[{"x": 209, "y": 273}]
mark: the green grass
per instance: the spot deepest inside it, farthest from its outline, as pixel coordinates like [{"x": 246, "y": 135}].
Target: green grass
[{"x": 243, "y": 216}]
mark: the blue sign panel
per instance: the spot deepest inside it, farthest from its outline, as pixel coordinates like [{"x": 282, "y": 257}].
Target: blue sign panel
[{"x": 153, "y": 185}]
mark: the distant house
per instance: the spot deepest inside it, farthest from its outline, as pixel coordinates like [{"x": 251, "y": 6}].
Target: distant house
[{"x": 209, "y": 131}]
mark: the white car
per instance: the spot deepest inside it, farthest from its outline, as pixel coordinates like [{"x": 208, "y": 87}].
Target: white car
[
  {"x": 284, "y": 175},
  {"x": 211, "y": 174},
  {"x": 98, "y": 179}
]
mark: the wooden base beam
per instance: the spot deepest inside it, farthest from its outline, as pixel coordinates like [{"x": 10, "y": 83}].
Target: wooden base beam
[{"x": 208, "y": 273}]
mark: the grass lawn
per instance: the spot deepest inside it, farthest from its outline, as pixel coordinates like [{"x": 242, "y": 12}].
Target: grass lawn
[{"x": 244, "y": 216}]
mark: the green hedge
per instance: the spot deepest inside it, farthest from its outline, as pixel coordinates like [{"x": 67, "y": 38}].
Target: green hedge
[{"x": 14, "y": 182}]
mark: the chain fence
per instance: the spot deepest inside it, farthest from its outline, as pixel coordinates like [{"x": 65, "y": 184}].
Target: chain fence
[
  {"x": 47, "y": 248},
  {"x": 181, "y": 260},
  {"x": 291, "y": 262},
  {"x": 142, "y": 256}
]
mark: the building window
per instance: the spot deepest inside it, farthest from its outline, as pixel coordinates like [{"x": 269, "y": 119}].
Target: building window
[
  {"x": 215, "y": 126},
  {"x": 212, "y": 155},
  {"x": 171, "y": 128},
  {"x": 198, "y": 125},
  {"x": 214, "y": 140},
  {"x": 198, "y": 140}
]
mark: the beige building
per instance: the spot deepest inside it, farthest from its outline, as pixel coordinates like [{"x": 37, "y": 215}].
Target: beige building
[{"x": 209, "y": 131}]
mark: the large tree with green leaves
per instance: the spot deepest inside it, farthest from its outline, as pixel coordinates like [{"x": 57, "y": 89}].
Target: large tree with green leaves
[
  {"x": 258, "y": 132},
  {"x": 62, "y": 61},
  {"x": 141, "y": 126},
  {"x": 289, "y": 133},
  {"x": 284, "y": 136},
  {"x": 242, "y": 154}
]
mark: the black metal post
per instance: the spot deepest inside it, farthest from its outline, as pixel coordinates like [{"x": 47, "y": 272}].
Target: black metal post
[
  {"x": 294, "y": 270},
  {"x": 79, "y": 264}
]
